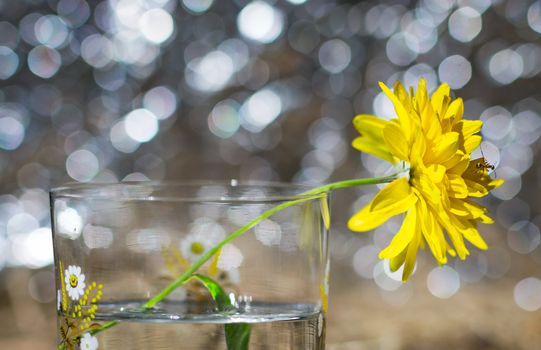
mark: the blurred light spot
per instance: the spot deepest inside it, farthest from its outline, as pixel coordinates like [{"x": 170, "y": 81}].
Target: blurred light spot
[
  {"x": 268, "y": 232},
  {"x": 511, "y": 211},
  {"x": 82, "y": 165},
  {"x": 472, "y": 269},
  {"x": 120, "y": 139},
  {"x": 51, "y": 31},
  {"x": 420, "y": 71},
  {"x": 97, "y": 50},
  {"x": 531, "y": 59},
  {"x": 68, "y": 222},
  {"x": 127, "y": 12},
  {"x": 505, "y": 66},
  {"x": 147, "y": 240},
  {"x": 334, "y": 55},
  {"x": 11, "y": 133},
  {"x": 76, "y": 12},
  {"x": 224, "y": 120},
  {"x": 38, "y": 250},
  {"x": 35, "y": 201},
  {"x": 297, "y": 2},
  {"x": 197, "y": 6},
  {"x": 512, "y": 185},
  {"x": 398, "y": 51},
  {"x": 9, "y": 62},
  {"x": 465, "y": 24},
  {"x": 443, "y": 282},
  {"x": 383, "y": 279},
  {"x": 26, "y": 28},
  {"x": 517, "y": 156},
  {"x": 420, "y": 38},
  {"x": 523, "y": 237},
  {"x": 230, "y": 258},
  {"x": 364, "y": 260},
  {"x": 261, "y": 109},
  {"x": 44, "y": 61},
  {"x": 161, "y": 101},
  {"x": 210, "y": 73},
  {"x": 111, "y": 78},
  {"x": 141, "y": 125},
  {"x": 456, "y": 71},
  {"x": 238, "y": 51},
  {"x": 41, "y": 286},
  {"x": 156, "y": 25},
  {"x": 21, "y": 224},
  {"x": 534, "y": 16},
  {"x": 97, "y": 236},
  {"x": 135, "y": 177},
  {"x": 527, "y": 294},
  {"x": 528, "y": 126},
  {"x": 260, "y": 21},
  {"x": 381, "y": 20},
  {"x": 383, "y": 107},
  {"x": 498, "y": 125}
]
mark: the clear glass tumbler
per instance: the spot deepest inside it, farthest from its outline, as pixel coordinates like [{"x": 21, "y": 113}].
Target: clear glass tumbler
[{"x": 119, "y": 246}]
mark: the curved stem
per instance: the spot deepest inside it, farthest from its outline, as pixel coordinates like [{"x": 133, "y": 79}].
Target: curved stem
[{"x": 305, "y": 196}]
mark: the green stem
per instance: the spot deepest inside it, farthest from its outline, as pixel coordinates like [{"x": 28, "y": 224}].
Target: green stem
[{"x": 311, "y": 194}]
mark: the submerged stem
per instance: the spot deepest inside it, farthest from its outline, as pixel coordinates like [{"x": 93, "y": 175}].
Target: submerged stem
[{"x": 303, "y": 197}]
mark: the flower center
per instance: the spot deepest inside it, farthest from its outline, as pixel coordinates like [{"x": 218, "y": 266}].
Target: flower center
[
  {"x": 197, "y": 248},
  {"x": 73, "y": 281}
]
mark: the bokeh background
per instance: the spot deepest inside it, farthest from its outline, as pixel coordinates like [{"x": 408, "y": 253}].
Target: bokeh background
[{"x": 266, "y": 90}]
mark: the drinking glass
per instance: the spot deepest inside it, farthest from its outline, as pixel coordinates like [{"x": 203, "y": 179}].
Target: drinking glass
[{"x": 117, "y": 246}]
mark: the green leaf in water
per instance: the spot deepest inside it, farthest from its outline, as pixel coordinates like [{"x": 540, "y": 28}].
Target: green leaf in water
[{"x": 237, "y": 335}]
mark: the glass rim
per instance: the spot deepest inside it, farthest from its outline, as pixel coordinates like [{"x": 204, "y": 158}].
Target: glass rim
[{"x": 90, "y": 190}]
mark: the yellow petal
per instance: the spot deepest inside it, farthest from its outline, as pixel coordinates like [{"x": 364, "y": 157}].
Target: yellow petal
[
  {"x": 444, "y": 149},
  {"x": 468, "y": 127},
  {"x": 421, "y": 97},
  {"x": 370, "y": 125},
  {"x": 455, "y": 110},
  {"x": 402, "y": 113},
  {"x": 457, "y": 186},
  {"x": 449, "y": 222},
  {"x": 325, "y": 212},
  {"x": 471, "y": 143},
  {"x": 475, "y": 189},
  {"x": 396, "y": 141},
  {"x": 396, "y": 262},
  {"x": 411, "y": 255},
  {"x": 402, "y": 238},
  {"x": 440, "y": 98},
  {"x": 430, "y": 231},
  {"x": 392, "y": 200},
  {"x": 375, "y": 148},
  {"x": 469, "y": 230}
]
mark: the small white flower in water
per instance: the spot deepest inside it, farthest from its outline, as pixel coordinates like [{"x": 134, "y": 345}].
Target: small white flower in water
[
  {"x": 195, "y": 245},
  {"x": 75, "y": 282},
  {"x": 89, "y": 342}
]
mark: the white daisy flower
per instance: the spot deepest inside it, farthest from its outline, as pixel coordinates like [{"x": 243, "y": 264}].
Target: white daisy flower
[
  {"x": 204, "y": 234},
  {"x": 195, "y": 245},
  {"x": 75, "y": 282},
  {"x": 89, "y": 342}
]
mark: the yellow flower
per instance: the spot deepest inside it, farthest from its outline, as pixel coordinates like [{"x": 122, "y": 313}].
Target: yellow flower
[{"x": 434, "y": 141}]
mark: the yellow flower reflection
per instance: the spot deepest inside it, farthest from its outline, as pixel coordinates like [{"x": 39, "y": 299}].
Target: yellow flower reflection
[{"x": 436, "y": 143}]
